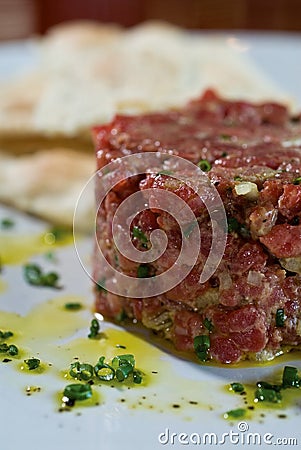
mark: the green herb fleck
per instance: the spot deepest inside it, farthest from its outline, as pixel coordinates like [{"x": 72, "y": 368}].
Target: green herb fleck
[
  {"x": 237, "y": 387},
  {"x": 201, "y": 346},
  {"x": 237, "y": 178},
  {"x": 34, "y": 275},
  {"x": 280, "y": 317},
  {"x": 143, "y": 271},
  {"x": 100, "y": 285},
  {"x": 138, "y": 234},
  {"x": 11, "y": 350},
  {"x": 208, "y": 324},
  {"x": 235, "y": 413},
  {"x": 290, "y": 377},
  {"x": 188, "y": 230},
  {"x": 236, "y": 227},
  {"x": 225, "y": 137},
  {"x": 73, "y": 306},
  {"x": 94, "y": 329},
  {"x": 83, "y": 372},
  {"x": 6, "y": 334},
  {"x": 204, "y": 165},
  {"x": 78, "y": 391},
  {"x": 32, "y": 363},
  {"x": 6, "y": 223},
  {"x": 267, "y": 395},
  {"x": 59, "y": 233},
  {"x": 104, "y": 371},
  {"x": 297, "y": 180},
  {"x": 165, "y": 172}
]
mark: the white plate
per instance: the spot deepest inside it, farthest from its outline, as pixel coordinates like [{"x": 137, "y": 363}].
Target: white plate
[{"x": 32, "y": 422}]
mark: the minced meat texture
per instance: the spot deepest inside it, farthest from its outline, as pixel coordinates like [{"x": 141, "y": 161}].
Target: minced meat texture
[{"x": 260, "y": 272}]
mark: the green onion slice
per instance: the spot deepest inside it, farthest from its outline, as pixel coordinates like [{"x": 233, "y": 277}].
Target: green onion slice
[
  {"x": 94, "y": 329},
  {"x": 78, "y": 391},
  {"x": 138, "y": 234},
  {"x": 267, "y": 395},
  {"x": 201, "y": 346},
  {"x": 280, "y": 317},
  {"x": 137, "y": 376},
  {"x": 204, "y": 165},
  {"x": 290, "y": 377},
  {"x": 104, "y": 371},
  {"x": 123, "y": 371},
  {"x": 119, "y": 360},
  {"x": 83, "y": 372}
]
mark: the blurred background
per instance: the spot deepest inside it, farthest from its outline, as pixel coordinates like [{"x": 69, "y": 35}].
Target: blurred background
[{"x": 22, "y": 18}]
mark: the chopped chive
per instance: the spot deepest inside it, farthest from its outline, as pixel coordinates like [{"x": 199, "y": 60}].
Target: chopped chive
[
  {"x": 6, "y": 334},
  {"x": 225, "y": 137},
  {"x": 142, "y": 271},
  {"x": 59, "y": 233},
  {"x": 138, "y": 234},
  {"x": 236, "y": 227},
  {"x": 104, "y": 371},
  {"x": 32, "y": 363},
  {"x": 204, "y": 165},
  {"x": 280, "y": 317},
  {"x": 297, "y": 180},
  {"x": 290, "y": 377},
  {"x": 233, "y": 225},
  {"x": 12, "y": 349},
  {"x": 237, "y": 387},
  {"x": 78, "y": 391},
  {"x": 73, "y": 306},
  {"x": 123, "y": 371},
  {"x": 3, "y": 347},
  {"x": 187, "y": 232},
  {"x": 165, "y": 172},
  {"x": 34, "y": 275},
  {"x": 83, "y": 372},
  {"x": 94, "y": 329},
  {"x": 235, "y": 413},
  {"x": 6, "y": 223},
  {"x": 267, "y": 395},
  {"x": 100, "y": 285},
  {"x": 137, "y": 377},
  {"x": 208, "y": 324},
  {"x": 237, "y": 178},
  {"x": 119, "y": 360},
  {"x": 201, "y": 346},
  {"x": 265, "y": 385}
]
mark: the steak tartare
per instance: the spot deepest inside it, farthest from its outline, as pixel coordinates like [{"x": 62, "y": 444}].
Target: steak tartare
[{"x": 250, "y": 308}]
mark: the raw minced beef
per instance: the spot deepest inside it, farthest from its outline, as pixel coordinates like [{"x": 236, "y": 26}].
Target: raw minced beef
[{"x": 251, "y": 306}]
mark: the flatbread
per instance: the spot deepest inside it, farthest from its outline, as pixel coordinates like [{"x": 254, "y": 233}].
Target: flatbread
[
  {"x": 48, "y": 184},
  {"x": 87, "y": 72}
]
